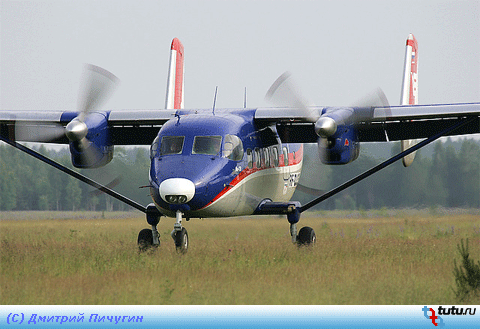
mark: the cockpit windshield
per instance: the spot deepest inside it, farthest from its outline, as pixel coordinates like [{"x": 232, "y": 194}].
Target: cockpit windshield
[
  {"x": 207, "y": 145},
  {"x": 171, "y": 145}
]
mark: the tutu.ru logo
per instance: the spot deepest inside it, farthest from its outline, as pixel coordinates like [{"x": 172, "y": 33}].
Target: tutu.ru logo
[{"x": 436, "y": 320}]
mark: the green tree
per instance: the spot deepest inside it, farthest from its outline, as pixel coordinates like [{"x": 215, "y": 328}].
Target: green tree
[
  {"x": 436, "y": 193},
  {"x": 8, "y": 184},
  {"x": 469, "y": 170},
  {"x": 73, "y": 194}
]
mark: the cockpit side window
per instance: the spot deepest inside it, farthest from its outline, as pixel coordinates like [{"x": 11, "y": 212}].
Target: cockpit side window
[
  {"x": 154, "y": 147},
  {"x": 233, "y": 148},
  {"x": 207, "y": 145},
  {"x": 172, "y": 145}
]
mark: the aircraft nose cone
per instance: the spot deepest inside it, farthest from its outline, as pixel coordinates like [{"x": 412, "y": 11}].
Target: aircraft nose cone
[{"x": 177, "y": 190}]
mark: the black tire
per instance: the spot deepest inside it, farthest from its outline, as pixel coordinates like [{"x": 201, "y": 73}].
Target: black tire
[
  {"x": 145, "y": 240},
  {"x": 181, "y": 241},
  {"x": 306, "y": 236}
]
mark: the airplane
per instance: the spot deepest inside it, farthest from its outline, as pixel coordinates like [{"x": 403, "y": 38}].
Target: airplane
[{"x": 234, "y": 162}]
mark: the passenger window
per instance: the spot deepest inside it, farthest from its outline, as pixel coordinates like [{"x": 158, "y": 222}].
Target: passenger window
[
  {"x": 209, "y": 145},
  {"x": 249, "y": 158},
  {"x": 172, "y": 145},
  {"x": 275, "y": 156},
  {"x": 258, "y": 158},
  {"x": 262, "y": 155},
  {"x": 154, "y": 147},
  {"x": 285, "y": 156},
  {"x": 233, "y": 148},
  {"x": 267, "y": 157}
]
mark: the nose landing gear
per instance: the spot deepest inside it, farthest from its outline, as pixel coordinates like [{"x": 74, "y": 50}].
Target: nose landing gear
[{"x": 179, "y": 234}]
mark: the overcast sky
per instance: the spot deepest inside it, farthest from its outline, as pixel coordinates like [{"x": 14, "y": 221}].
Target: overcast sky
[{"x": 336, "y": 50}]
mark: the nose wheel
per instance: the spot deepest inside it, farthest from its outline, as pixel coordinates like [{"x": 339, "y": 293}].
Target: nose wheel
[{"x": 181, "y": 240}]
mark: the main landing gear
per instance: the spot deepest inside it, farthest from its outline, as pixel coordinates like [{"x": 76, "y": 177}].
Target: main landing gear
[
  {"x": 150, "y": 238},
  {"x": 306, "y": 236}
]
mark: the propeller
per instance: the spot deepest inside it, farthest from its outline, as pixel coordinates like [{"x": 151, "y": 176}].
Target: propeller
[
  {"x": 97, "y": 86},
  {"x": 284, "y": 92}
]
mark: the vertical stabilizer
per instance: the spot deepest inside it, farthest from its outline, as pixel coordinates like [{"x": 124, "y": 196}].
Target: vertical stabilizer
[
  {"x": 410, "y": 88},
  {"x": 174, "y": 98}
]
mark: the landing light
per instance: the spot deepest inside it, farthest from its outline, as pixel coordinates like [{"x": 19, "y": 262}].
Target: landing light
[{"x": 176, "y": 199}]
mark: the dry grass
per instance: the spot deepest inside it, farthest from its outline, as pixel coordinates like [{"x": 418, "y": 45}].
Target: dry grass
[{"x": 390, "y": 259}]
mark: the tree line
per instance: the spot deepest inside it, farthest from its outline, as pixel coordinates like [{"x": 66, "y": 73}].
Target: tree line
[
  {"x": 29, "y": 184},
  {"x": 449, "y": 176}
]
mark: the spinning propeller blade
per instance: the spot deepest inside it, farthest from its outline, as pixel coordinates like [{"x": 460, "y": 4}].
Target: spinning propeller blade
[
  {"x": 97, "y": 86},
  {"x": 38, "y": 131},
  {"x": 284, "y": 92}
]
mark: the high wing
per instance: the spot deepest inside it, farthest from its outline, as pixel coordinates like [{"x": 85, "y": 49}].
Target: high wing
[
  {"x": 140, "y": 127},
  {"x": 126, "y": 127},
  {"x": 375, "y": 124}
]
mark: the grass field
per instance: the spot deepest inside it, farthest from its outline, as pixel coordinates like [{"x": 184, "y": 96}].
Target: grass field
[{"x": 382, "y": 257}]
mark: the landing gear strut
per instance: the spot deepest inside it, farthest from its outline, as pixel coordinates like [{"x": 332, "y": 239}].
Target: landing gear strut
[
  {"x": 179, "y": 234},
  {"x": 148, "y": 238},
  {"x": 306, "y": 236}
]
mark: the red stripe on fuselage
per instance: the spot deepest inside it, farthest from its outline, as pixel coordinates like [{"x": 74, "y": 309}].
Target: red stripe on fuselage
[{"x": 294, "y": 158}]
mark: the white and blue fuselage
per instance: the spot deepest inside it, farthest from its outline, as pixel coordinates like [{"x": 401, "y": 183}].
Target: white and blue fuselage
[{"x": 219, "y": 164}]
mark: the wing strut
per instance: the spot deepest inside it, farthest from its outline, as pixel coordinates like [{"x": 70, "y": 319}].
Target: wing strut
[
  {"x": 75, "y": 174},
  {"x": 384, "y": 164}
]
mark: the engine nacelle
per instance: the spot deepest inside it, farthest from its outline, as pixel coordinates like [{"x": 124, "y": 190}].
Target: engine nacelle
[
  {"x": 340, "y": 148},
  {"x": 96, "y": 149}
]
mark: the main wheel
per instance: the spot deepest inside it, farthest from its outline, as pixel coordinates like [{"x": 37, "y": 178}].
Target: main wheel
[
  {"x": 306, "y": 236},
  {"x": 181, "y": 240},
  {"x": 145, "y": 239}
]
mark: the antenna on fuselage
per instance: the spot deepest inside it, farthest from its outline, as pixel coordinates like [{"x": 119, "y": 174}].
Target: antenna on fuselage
[
  {"x": 214, "y": 100},
  {"x": 245, "y": 99}
]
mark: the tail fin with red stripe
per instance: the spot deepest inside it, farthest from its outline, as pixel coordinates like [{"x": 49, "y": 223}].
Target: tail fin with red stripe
[
  {"x": 410, "y": 88},
  {"x": 174, "y": 98}
]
